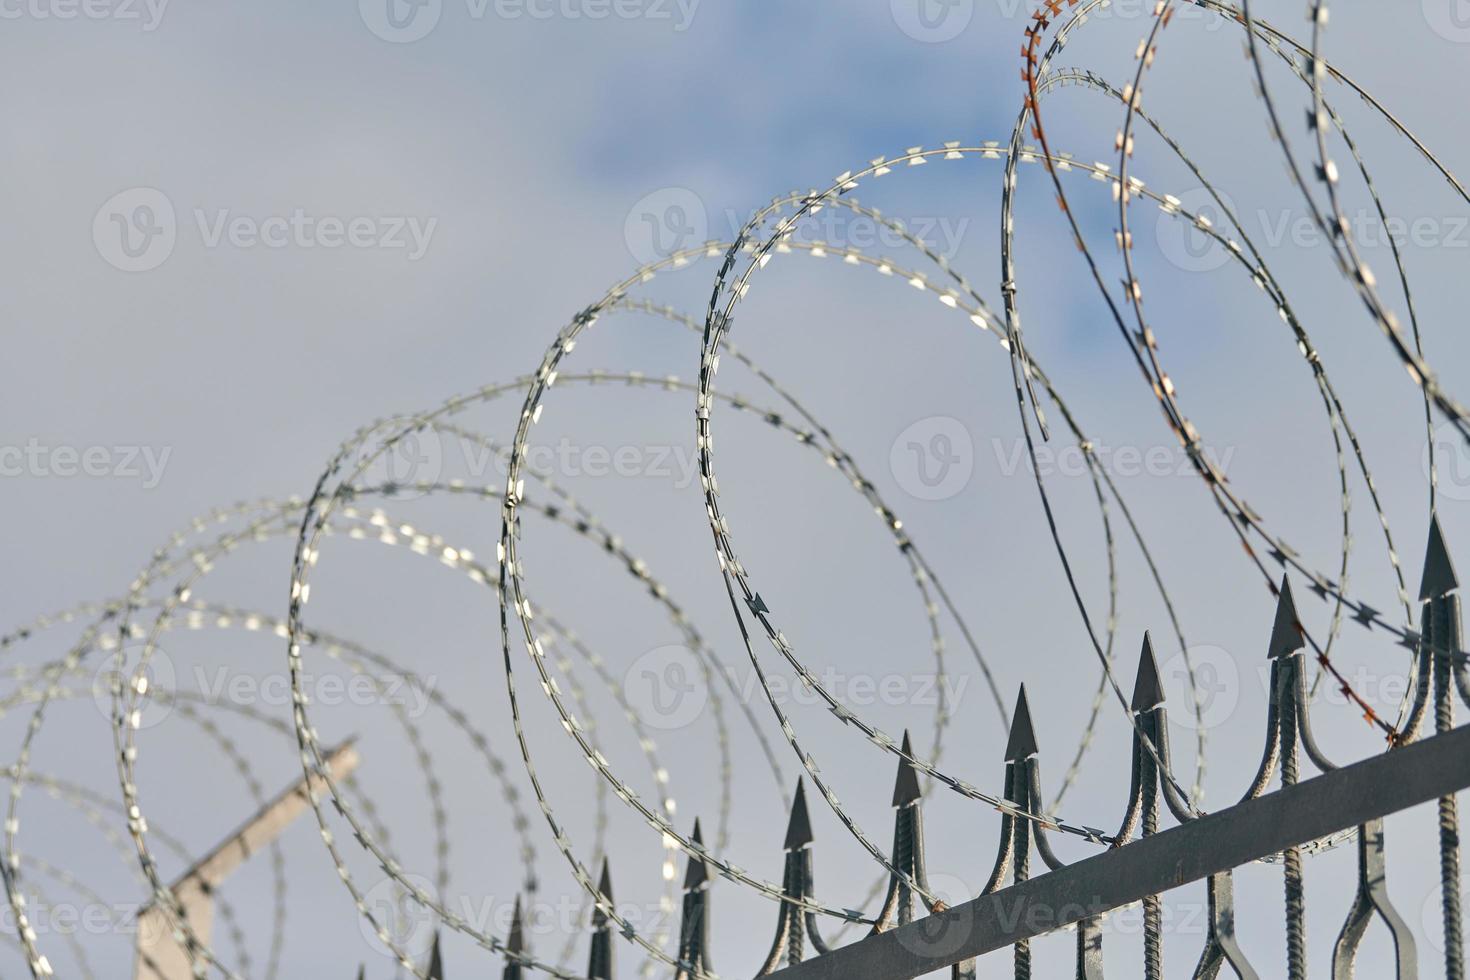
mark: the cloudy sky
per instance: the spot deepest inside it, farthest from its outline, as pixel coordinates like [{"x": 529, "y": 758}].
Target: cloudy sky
[{"x": 238, "y": 234}]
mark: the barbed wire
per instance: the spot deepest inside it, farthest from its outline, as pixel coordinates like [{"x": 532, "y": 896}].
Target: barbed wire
[{"x": 347, "y": 504}]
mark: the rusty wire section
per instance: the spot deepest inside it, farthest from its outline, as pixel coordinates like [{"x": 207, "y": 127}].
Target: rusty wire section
[{"x": 120, "y": 636}]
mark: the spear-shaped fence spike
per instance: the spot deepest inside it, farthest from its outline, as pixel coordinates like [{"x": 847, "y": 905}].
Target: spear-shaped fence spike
[
  {"x": 600, "y": 959},
  {"x": 1148, "y": 753},
  {"x": 799, "y": 827},
  {"x": 911, "y": 879},
  {"x": 515, "y": 943},
  {"x": 1148, "y": 692},
  {"x": 1148, "y": 705},
  {"x": 1220, "y": 945},
  {"x": 794, "y": 923},
  {"x": 1024, "y": 765},
  {"x": 1440, "y": 644},
  {"x": 1286, "y": 631},
  {"x": 694, "y": 926},
  {"x": 1282, "y": 745},
  {"x": 1288, "y": 639},
  {"x": 436, "y": 962},
  {"x": 1439, "y": 571},
  {"x": 1022, "y": 743},
  {"x": 906, "y": 786},
  {"x": 1440, "y": 632},
  {"x": 605, "y": 889},
  {"x": 697, "y": 872},
  {"x": 1284, "y": 641}
]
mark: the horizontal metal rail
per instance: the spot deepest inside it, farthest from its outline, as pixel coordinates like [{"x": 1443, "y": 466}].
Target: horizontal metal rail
[{"x": 1342, "y": 799}]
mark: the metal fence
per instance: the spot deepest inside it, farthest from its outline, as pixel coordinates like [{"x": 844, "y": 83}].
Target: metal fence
[{"x": 913, "y": 935}]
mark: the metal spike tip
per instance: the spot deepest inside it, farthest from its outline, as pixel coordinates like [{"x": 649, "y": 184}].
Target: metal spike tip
[
  {"x": 516, "y": 942},
  {"x": 1439, "y": 572},
  {"x": 604, "y": 888},
  {"x": 906, "y": 787},
  {"x": 1147, "y": 691},
  {"x": 436, "y": 962},
  {"x": 1022, "y": 744},
  {"x": 1286, "y": 632},
  {"x": 799, "y": 829},
  {"x": 697, "y": 872}
]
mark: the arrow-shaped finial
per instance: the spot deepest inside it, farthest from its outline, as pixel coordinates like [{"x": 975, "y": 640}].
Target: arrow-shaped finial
[
  {"x": 516, "y": 942},
  {"x": 1022, "y": 744},
  {"x": 436, "y": 962},
  {"x": 600, "y": 959},
  {"x": 1286, "y": 632},
  {"x": 1147, "y": 691},
  {"x": 604, "y": 888},
  {"x": 697, "y": 872},
  {"x": 1439, "y": 572},
  {"x": 515, "y": 945},
  {"x": 799, "y": 829},
  {"x": 906, "y": 787}
]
